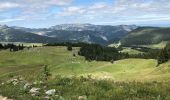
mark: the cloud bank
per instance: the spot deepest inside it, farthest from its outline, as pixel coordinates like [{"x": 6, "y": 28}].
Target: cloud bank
[{"x": 98, "y": 12}]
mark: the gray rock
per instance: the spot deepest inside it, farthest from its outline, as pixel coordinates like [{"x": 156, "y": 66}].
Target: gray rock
[
  {"x": 35, "y": 91},
  {"x": 46, "y": 98},
  {"x": 82, "y": 97},
  {"x": 35, "y": 83},
  {"x": 2, "y": 83},
  {"x": 51, "y": 92},
  {"x": 27, "y": 86},
  {"x": 13, "y": 81}
]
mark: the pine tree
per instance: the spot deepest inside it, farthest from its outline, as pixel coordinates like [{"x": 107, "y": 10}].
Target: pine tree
[
  {"x": 168, "y": 49},
  {"x": 1, "y": 46},
  {"x": 163, "y": 56},
  {"x": 69, "y": 48}
]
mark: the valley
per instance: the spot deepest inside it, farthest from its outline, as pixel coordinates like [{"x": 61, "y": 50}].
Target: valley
[
  {"x": 61, "y": 62},
  {"x": 103, "y": 63},
  {"x": 84, "y": 50},
  {"x": 29, "y": 64}
]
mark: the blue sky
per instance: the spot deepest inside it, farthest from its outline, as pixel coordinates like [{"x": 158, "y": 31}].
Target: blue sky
[{"x": 46, "y": 13}]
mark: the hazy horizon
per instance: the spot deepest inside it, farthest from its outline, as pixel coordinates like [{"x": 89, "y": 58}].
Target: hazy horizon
[
  {"x": 43, "y": 14},
  {"x": 87, "y": 23}
]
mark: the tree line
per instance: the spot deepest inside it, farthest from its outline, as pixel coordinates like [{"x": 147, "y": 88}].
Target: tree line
[
  {"x": 12, "y": 47},
  {"x": 104, "y": 53},
  {"x": 77, "y": 44},
  {"x": 100, "y": 53},
  {"x": 164, "y": 54},
  {"x": 161, "y": 55}
]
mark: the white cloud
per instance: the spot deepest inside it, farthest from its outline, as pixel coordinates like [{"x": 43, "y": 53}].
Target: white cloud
[
  {"x": 10, "y": 20},
  {"x": 72, "y": 11},
  {"x": 117, "y": 11},
  {"x": 8, "y": 5},
  {"x": 31, "y": 9},
  {"x": 60, "y": 2},
  {"x": 33, "y": 5},
  {"x": 135, "y": 21},
  {"x": 100, "y": 5}
]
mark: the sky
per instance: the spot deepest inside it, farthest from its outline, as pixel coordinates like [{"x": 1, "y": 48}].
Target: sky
[{"x": 46, "y": 13}]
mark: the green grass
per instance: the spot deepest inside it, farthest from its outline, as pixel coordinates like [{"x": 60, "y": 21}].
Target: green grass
[
  {"x": 62, "y": 62},
  {"x": 72, "y": 88},
  {"x": 157, "y": 46},
  {"x": 130, "y": 51},
  {"x": 127, "y": 79}
]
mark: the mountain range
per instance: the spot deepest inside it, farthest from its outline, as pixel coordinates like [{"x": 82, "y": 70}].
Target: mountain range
[
  {"x": 89, "y": 33},
  {"x": 100, "y": 34},
  {"x": 9, "y": 34}
]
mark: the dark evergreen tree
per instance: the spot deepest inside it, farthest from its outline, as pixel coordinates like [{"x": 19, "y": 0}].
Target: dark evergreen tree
[
  {"x": 97, "y": 52},
  {"x": 164, "y": 54},
  {"x": 168, "y": 49},
  {"x": 69, "y": 48},
  {"x": 1, "y": 46},
  {"x": 74, "y": 54}
]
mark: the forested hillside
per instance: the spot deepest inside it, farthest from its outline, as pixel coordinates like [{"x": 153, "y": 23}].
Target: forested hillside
[{"x": 146, "y": 35}]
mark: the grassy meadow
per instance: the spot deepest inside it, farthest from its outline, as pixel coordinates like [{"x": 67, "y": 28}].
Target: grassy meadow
[
  {"x": 130, "y": 51},
  {"x": 127, "y": 79},
  {"x": 62, "y": 62},
  {"x": 157, "y": 46}
]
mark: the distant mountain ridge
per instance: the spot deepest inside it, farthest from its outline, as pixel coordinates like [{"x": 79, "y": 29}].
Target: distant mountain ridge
[
  {"x": 89, "y": 33},
  {"x": 146, "y": 35},
  {"x": 91, "y": 27},
  {"x": 100, "y": 34},
  {"x": 9, "y": 34}
]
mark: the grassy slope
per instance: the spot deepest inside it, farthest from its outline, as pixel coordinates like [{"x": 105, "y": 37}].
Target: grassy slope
[
  {"x": 146, "y": 35},
  {"x": 61, "y": 61},
  {"x": 130, "y": 51},
  {"x": 157, "y": 46}
]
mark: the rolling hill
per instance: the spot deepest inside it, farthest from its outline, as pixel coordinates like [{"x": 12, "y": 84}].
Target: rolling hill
[
  {"x": 74, "y": 77},
  {"x": 146, "y": 36},
  {"x": 61, "y": 62}
]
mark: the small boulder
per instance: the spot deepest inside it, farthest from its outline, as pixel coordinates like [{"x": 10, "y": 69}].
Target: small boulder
[
  {"x": 82, "y": 97},
  {"x": 2, "y": 83},
  {"x": 51, "y": 92},
  {"x": 13, "y": 81},
  {"x": 35, "y": 83},
  {"x": 46, "y": 98},
  {"x": 35, "y": 91},
  {"x": 27, "y": 86}
]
